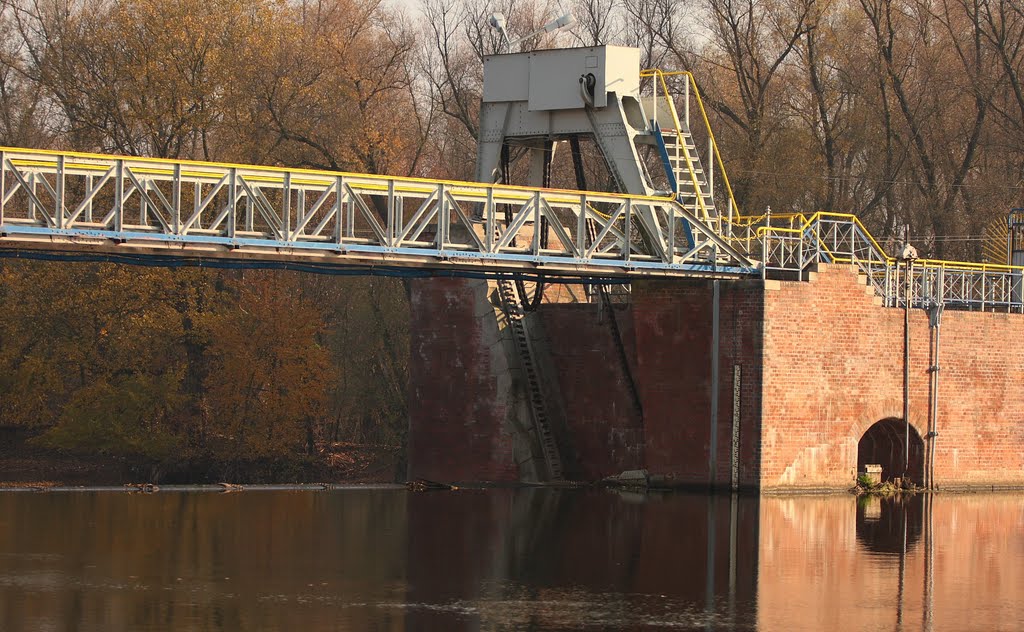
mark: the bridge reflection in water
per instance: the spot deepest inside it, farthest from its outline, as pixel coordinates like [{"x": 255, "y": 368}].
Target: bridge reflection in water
[{"x": 508, "y": 560}]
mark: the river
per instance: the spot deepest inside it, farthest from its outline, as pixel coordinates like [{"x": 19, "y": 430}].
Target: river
[{"x": 507, "y": 559}]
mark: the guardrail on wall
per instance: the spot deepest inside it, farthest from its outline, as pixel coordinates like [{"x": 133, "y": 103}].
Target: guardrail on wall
[{"x": 841, "y": 238}]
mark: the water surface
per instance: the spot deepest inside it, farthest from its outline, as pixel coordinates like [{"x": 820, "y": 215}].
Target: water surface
[{"x": 526, "y": 559}]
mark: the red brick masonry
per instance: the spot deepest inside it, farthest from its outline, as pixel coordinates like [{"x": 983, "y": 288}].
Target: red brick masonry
[{"x": 819, "y": 363}]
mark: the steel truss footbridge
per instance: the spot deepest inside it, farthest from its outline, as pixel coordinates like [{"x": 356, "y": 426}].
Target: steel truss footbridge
[
  {"x": 129, "y": 207},
  {"x": 177, "y": 212}
]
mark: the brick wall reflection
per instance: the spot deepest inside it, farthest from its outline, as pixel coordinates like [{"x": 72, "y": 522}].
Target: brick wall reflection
[{"x": 825, "y": 565}]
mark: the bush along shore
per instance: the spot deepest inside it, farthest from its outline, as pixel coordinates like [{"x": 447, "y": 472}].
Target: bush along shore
[{"x": 867, "y": 486}]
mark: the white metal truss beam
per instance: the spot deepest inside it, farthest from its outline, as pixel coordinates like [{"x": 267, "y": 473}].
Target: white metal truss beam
[{"x": 76, "y": 202}]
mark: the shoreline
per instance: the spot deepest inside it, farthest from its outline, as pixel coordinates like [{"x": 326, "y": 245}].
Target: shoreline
[{"x": 26, "y": 464}]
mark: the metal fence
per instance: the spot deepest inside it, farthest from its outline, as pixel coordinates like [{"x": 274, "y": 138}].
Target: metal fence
[{"x": 800, "y": 242}]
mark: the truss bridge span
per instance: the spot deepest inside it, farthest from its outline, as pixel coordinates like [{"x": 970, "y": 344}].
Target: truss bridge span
[{"x": 103, "y": 204}]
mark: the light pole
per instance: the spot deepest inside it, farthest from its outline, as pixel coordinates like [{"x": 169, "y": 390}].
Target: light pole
[{"x": 907, "y": 256}]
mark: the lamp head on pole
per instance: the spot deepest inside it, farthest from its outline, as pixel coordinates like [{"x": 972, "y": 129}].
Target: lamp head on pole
[{"x": 497, "y": 22}]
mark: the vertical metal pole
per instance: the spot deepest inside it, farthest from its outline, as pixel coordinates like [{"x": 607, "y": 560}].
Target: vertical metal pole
[
  {"x": 59, "y": 215},
  {"x": 934, "y": 430},
  {"x": 673, "y": 221},
  {"x": 3, "y": 183},
  {"x": 489, "y": 220},
  {"x": 339, "y": 208},
  {"x": 118, "y": 196},
  {"x": 349, "y": 229},
  {"x": 686, "y": 102},
  {"x": 654, "y": 83},
  {"x": 983, "y": 290},
  {"x": 711, "y": 168},
  {"x": 535, "y": 244},
  {"x": 232, "y": 216},
  {"x": 715, "y": 339},
  {"x": 627, "y": 229},
  {"x": 176, "y": 200},
  {"x": 392, "y": 229},
  {"x": 286, "y": 208},
  {"x": 88, "y": 203},
  {"x": 908, "y": 268},
  {"x": 442, "y": 218},
  {"x": 728, "y": 228}
]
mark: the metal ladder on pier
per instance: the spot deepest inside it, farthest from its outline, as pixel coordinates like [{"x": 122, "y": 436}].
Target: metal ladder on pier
[{"x": 513, "y": 307}]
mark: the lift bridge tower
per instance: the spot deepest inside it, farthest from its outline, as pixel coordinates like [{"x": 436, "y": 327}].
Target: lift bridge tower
[{"x": 533, "y": 99}]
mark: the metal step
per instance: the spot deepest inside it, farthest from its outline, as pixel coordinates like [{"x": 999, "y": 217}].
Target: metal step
[{"x": 684, "y": 178}]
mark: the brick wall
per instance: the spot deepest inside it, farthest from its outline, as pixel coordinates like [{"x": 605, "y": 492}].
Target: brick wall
[
  {"x": 833, "y": 366},
  {"x": 603, "y": 432},
  {"x": 673, "y": 324},
  {"x": 459, "y": 401},
  {"x": 819, "y": 363}
]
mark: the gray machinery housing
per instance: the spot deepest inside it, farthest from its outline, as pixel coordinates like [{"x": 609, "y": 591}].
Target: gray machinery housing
[{"x": 532, "y": 99}]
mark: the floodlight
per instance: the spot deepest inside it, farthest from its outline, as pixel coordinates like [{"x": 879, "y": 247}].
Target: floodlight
[{"x": 497, "y": 22}]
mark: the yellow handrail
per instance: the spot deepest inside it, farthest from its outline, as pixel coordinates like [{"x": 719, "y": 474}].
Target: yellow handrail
[
  {"x": 14, "y": 154},
  {"x": 682, "y": 143},
  {"x": 888, "y": 259},
  {"x": 661, "y": 74}
]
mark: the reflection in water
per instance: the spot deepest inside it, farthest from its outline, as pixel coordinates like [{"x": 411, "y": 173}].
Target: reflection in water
[
  {"x": 891, "y": 524},
  {"x": 581, "y": 558},
  {"x": 526, "y": 559},
  {"x": 826, "y": 564}
]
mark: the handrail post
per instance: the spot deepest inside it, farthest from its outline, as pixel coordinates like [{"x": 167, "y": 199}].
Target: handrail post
[
  {"x": 3, "y": 183},
  {"x": 764, "y": 255},
  {"x": 983, "y": 290},
  {"x": 118, "y": 195},
  {"x": 728, "y": 227},
  {"x": 654, "y": 84},
  {"x": 176, "y": 200},
  {"x": 817, "y": 239},
  {"x": 286, "y": 207},
  {"x": 686, "y": 102},
  {"x": 59, "y": 214},
  {"x": 940, "y": 292},
  {"x": 800, "y": 252}
]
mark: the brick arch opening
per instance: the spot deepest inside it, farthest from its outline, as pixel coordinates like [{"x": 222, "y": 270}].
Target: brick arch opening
[{"x": 884, "y": 444}]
